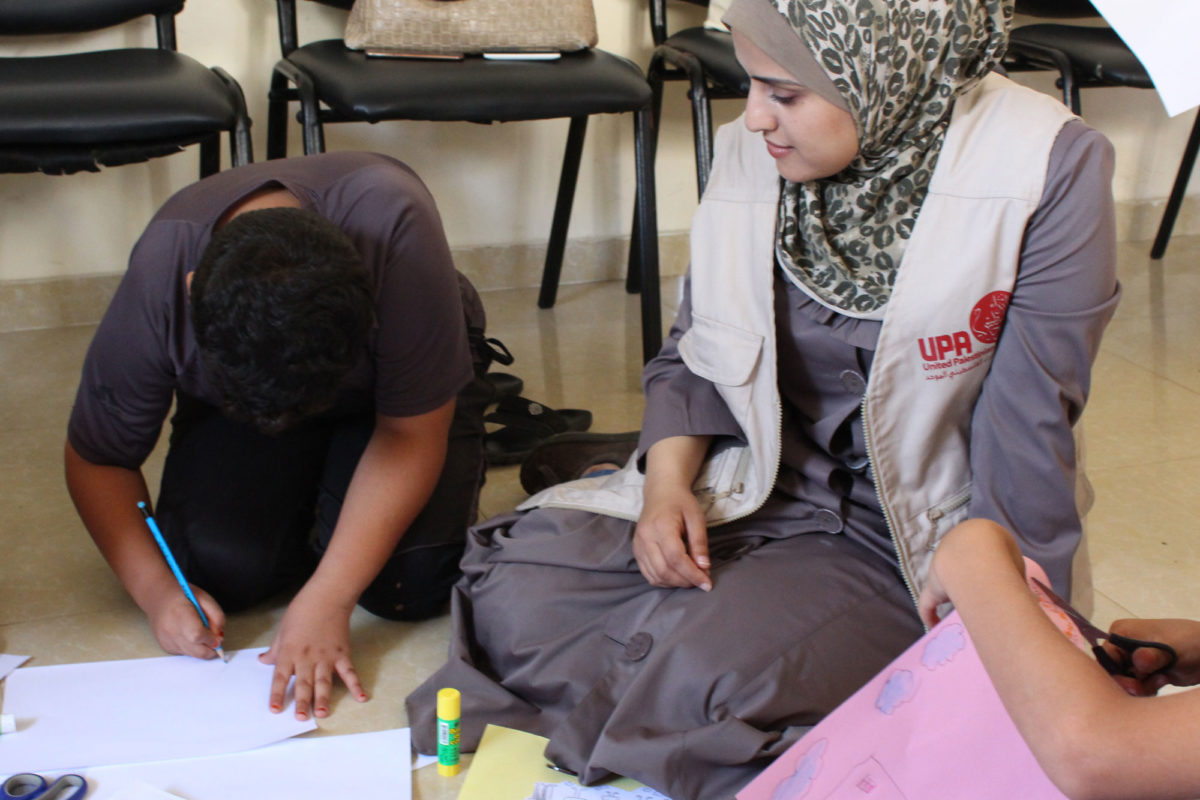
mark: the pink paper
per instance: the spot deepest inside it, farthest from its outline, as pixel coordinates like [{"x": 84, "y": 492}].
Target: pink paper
[{"x": 930, "y": 725}]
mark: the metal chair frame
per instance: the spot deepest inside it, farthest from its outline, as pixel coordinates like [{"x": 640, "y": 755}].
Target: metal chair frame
[{"x": 91, "y": 17}]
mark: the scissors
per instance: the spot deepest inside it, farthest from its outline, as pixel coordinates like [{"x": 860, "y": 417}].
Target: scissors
[
  {"x": 1095, "y": 635},
  {"x": 28, "y": 786}
]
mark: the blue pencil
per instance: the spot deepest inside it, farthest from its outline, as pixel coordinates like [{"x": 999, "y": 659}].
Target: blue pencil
[{"x": 183, "y": 584}]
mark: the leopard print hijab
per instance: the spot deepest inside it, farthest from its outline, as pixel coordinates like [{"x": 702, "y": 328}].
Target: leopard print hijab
[{"x": 899, "y": 65}]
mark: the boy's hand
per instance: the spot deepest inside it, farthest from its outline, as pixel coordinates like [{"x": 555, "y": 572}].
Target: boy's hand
[
  {"x": 312, "y": 645},
  {"x": 670, "y": 542},
  {"x": 176, "y": 625}
]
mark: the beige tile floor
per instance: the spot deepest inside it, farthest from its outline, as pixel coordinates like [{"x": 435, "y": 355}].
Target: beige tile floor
[{"x": 59, "y": 602}]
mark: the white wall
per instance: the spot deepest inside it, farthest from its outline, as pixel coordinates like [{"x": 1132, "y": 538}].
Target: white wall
[{"x": 495, "y": 184}]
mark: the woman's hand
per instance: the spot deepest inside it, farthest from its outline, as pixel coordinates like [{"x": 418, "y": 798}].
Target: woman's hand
[
  {"x": 670, "y": 542},
  {"x": 671, "y": 539}
]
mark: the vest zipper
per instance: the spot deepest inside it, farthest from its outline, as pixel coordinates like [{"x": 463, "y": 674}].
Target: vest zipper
[
  {"x": 953, "y": 504},
  {"x": 744, "y": 463},
  {"x": 774, "y": 474},
  {"x": 737, "y": 483},
  {"x": 901, "y": 558}
]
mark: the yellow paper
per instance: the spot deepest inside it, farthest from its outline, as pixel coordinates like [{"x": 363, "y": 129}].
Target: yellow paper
[{"x": 507, "y": 765}]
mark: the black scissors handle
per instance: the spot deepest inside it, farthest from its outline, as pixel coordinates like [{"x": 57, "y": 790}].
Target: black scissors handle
[
  {"x": 1128, "y": 644},
  {"x": 1094, "y": 636}
]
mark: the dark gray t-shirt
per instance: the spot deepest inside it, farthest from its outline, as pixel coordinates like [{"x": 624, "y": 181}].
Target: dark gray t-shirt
[{"x": 144, "y": 350}]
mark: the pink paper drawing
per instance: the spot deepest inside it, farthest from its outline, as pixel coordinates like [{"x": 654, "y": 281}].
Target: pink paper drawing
[
  {"x": 943, "y": 646},
  {"x": 898, "y": 690},
  {"x": 928, "y": 725},
  {"x": 802, "y": 777},
  {"x": 868, "y": 781}
]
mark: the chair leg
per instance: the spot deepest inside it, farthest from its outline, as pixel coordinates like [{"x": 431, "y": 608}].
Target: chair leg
[
  {"x": 277, "y": 109},
  {"x": 702, "y": 132},
  {"x": 654, "y": 76},
  {"x": 1068, "y": 83},
  {"x": 310, "y": 108},
  {"x": 241, "y": 149},
  {"x": 210, "y": 155},
  {"x": 562, "y": 212},
  {"x": 1029, "y": 57},
  {"x": 310, "y": 123},
  {"x": 1070, "y": 87},
  {"x": 633, "y": 262},
  {"x": 647, "y": 239},
  {"x": 1175, "y": 201}
]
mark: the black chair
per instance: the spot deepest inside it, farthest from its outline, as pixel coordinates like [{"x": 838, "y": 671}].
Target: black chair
[
  {"x": 1084, "y": 57},
  {"x": 335, "y": 84},
  {"x": 79, "y": 111},
  {"x": 705, "y": 59}
]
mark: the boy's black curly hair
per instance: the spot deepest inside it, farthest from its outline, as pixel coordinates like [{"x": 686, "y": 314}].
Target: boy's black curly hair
[{"x": 281, "y": 306}]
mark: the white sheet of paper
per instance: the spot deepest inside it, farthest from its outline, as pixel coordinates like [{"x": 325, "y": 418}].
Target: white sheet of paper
[
  {"x": 143, "y": 791},
  {"x": 1162, "y": 33},
  {"x": 8, "y": 663},
  {"x": 569, "y": 790},
  {"x": 149, "y": 709},
  {"x": 361, "y": 765}
]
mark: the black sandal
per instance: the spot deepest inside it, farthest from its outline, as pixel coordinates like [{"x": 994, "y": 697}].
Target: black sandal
[
  {"x": 568, "y": 456},
  {"x": 504, "y": 384},
  {"x": 526, "y": 424}
]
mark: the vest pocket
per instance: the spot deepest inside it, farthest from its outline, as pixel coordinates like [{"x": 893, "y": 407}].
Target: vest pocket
[
  {"x": 721, "y": 353},
  {"x": 946, "y": 514}
]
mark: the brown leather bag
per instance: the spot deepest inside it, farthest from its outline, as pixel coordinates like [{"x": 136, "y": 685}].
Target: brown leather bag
[{"x": 458, "y": 27}]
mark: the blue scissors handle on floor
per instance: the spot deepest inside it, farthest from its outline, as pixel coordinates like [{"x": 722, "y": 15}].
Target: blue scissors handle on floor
[{"x": 28, "y": 786}]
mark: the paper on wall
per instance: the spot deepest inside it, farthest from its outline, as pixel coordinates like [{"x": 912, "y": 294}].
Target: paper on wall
[{"x": 1162, "y": 34}]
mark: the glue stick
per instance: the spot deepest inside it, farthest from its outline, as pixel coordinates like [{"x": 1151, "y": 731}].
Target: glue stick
[
  {"x": 449, "y": 705},
  {"x": 8, "y": 723}
]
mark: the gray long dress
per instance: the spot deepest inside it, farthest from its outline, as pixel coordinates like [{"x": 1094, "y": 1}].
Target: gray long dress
[{"x": 556, "y": 632}]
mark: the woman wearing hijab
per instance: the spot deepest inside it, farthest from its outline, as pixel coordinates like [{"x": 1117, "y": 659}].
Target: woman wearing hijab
[{"x": 901, "y": 269}]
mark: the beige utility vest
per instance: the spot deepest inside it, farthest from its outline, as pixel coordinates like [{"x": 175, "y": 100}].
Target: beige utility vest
[{"x": 935, "y": 345}]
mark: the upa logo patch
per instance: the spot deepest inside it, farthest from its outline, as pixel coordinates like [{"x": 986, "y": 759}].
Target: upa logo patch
[
  {"x": 987, "y": 317},
  {"x": 947, "y": 355}
]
